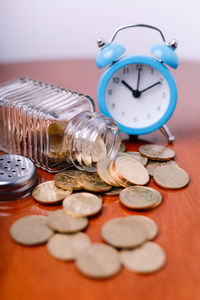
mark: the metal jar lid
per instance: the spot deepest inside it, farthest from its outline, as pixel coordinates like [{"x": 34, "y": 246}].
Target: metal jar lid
[{"x": 18, "y": 176}]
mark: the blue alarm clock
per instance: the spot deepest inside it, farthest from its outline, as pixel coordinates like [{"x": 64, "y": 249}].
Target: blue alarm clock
[{"x": 138, "y": 92}]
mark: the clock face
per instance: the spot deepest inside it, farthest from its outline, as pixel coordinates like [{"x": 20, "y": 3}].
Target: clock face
[{"x": 137, "y": 95}]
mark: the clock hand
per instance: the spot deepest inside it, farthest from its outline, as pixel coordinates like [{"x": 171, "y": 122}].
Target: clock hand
[
  {"x": 138, "y": 80},
  {"x": 128, "y": 86},
  {"x": 149, "y": 87}
]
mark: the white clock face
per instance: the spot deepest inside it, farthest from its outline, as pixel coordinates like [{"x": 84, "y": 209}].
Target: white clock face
[{"x": 137, "y": 95}]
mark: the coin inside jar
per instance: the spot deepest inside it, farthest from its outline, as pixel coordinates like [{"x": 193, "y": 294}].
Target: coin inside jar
[
  {"x": 124, "y": 233},
  {"x": 156, "y": 152},
  {"x": 147, "y": 258},
  {"x": 92, "y": 182},
  {"x": 67, "y": 246},
  {"x": 82, "y": 204},
  {"x": 138, "y": 197},
  {"x": 98, "y": 261},
  {"x": 31, "y": 230},
  {"x": 48, "y": 193},
  {"x": 59, "y": 221},
  {"x": 67, "y": 180},
  {"x": 170, "y": 177}
]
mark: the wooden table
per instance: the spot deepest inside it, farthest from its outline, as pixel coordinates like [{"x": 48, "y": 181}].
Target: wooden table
[{"x": 31, "y": 273}]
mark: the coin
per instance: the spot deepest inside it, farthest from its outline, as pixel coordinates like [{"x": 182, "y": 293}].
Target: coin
[
  {"x": 48, "y": 193},
  {"x": 137, "y": 156},
  {"x": 150, "y": 226},
  {"x": 98, "y": 261},
  {"x": 82, "y": 204},
  {"x": 170, "y": 177},
  {"x": 99, "y": 150},
  {"x": 147, "y": 258},
  {"x": 102, "y": 170},
  {"x": 115, "y": 177},
  {"x": 156, "y": 152},
  {"x": 113, "y": 192},
  {"x": 31, "y": 230},
  {"x": 153, "y": 165},
  {"x": 67, "y": 246},
  {"x": 122, "y": 148},
  {"x": 67, "y": 180},
  {"x": 138, "y": 197},
  {"x": 130, "y": 170},
  {"x": 59, "y": 221},
  {"x": 92, "y": 182},
  {"x": 124, "y": 233},
  {"x": 159, "y": 197}
]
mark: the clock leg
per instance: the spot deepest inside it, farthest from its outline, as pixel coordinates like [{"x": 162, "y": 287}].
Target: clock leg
[{"x": 166, "y": 132}]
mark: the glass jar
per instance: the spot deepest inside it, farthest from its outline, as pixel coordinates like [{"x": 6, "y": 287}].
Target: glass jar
[{"x": 53, "y": 126}]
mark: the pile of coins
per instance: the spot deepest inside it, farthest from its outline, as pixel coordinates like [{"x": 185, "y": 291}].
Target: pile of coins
[{"x": 128, "y": 238}]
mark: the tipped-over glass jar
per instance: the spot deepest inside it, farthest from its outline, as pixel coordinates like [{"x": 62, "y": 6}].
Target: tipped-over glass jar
[{"x": 53, "y": 126}]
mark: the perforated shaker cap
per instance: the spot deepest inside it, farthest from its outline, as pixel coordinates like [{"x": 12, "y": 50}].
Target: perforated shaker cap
[{"x": 18, "y": 176}]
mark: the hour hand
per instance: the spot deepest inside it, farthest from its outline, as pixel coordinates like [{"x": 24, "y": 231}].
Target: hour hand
[{"x": 128, "y": 86}]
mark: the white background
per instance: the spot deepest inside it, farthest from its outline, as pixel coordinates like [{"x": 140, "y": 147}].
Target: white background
[{"x": 59, "y": 29}]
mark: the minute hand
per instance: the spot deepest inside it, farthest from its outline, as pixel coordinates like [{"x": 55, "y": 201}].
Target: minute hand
[{"x": 149, "y": 87}]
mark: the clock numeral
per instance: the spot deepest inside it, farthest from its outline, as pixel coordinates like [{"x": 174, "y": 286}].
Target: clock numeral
[
  {"x": 139, "y": 67},
  {"x": 109, "y": 92},
  {"x": 125, "y": 70},
  {"x": 148, "y": 116},
  {"x": 135, "y": 119},
  {"x": 159, "y": 108},
  {"x": 122, "y": 114},
  {"x": 163, "y": 95},
  {"x": 115, "y": 79},
  {"x": 113, "y": 105}
]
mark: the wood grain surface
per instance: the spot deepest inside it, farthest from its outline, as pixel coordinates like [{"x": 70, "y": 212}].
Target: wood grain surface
[{"x": 31, "y": 273}]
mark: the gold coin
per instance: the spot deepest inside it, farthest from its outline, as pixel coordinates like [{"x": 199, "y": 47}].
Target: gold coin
[
  {"x": 92, "y": 182},
  {"x": 130, "y": 170},
  {"x": 48, "y": 193},
  {"x": 138, "y": 197},
  {"x": 67, "y": 246},
  {"x": 98, "y": 261},
  {"x": 172, "y": 178},
  {"x": 159, "y": 197},
  {"x": 102, "y": 170},
  {"x": 150, "y": 226},
  {"x": 99, "y": 150},
  {"x": 67, "y": 180},
  {"x": 124, "y": 233},
  {"x": 113, "y": 192},
  {"x": 122, "y": 148},
  {"x": 59, "y": 221},
  {"x": 82, "y": 204},
  {"x": 156, "y": 152},
  {"x": 147, "y": 258},
  {"x": 137, "y": 156},
  {"x": 115, "y": 177},
  {"x": 31, "y": 230},
  {"x": 153, "y": 165}
]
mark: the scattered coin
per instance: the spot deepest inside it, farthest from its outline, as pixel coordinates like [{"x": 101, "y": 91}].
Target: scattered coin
[
  {"x": 150, "y": 226},
  {"x": 31, "y": 230},
  {"x": 159, "y": 197},
  {"x": 172, "y": 178},
  {"x": 115, "y": 177},
  {"x": 82, "y": 204},
  {"x": 92, "y": 182},
  {"x": 67, "y": 180},
  {"x": 147, "y": 258},
  {"x": 156, "y": 152},
  {"x": 102, "y": 170},
  {"x": 98, "y": 261},
  {"x": 48, "y": 193},
  {"x": 130, "y": 170},
  {"x": 122, "y": 148},
  {"x": 59, "y": 221},
  {"x": 137, "y": 156},
  {"x": 113, "y": 192},
  {"x": 124, "y": 232},
  {"x": 138, "y": 197},
  {"x": 67, "y": 246},
  {"x": 153, "y": 165}
]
